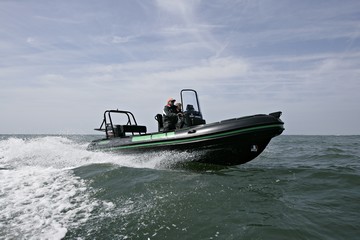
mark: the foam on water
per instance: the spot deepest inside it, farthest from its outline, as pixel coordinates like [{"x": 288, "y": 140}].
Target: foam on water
[
  {"x": 56, "y": 152},
  {"x": 43, "y": 203},
  {"x": 41, "y": 197},
  {"x": 64, "y": 153}
]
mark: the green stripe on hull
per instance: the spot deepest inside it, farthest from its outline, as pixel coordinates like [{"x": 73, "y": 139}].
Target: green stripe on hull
[
  {"x": 189, "y": 140},
  {"x": 104, "y": 142},
  {"x": 153, "y": 136}
]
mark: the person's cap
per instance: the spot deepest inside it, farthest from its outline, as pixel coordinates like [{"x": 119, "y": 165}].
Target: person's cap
[{"x": 171, "y": 100}]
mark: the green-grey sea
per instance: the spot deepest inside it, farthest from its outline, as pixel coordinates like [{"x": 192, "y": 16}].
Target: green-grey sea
[{"x": 300, "y": 187}]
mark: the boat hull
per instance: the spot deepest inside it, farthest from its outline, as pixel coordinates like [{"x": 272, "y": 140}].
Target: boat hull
[{"x": 229, "y": 142}]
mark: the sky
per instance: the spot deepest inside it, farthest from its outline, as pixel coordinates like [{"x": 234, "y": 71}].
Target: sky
[{"x": 63, "y": 63}]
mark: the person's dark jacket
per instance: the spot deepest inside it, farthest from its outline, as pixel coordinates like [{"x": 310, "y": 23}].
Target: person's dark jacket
[{"x": 170, "y": 117}]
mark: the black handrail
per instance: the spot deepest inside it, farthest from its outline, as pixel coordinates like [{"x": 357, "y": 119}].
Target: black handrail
[{"x": 107, "y": 120}]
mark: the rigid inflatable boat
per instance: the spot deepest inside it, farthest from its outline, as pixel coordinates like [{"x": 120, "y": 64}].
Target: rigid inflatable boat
[{"x": 228, "y": 142}]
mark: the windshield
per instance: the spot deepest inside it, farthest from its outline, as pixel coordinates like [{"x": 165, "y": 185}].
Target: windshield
[{"x": 189, "y": 101}]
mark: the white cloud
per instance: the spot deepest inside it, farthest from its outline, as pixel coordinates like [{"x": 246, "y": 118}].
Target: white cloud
[
  {"x": 208, "y": 70},
  {"x": 112, "y": 39},
  {"x": 183, "y": 8},
  {"x": 30, "y": 40},
  {"x": 259, "y": 56},
  {"x": 118, "y": 39}
]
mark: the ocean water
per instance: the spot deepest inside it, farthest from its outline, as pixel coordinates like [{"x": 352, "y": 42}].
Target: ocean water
[{"x": 300, "y": 187}]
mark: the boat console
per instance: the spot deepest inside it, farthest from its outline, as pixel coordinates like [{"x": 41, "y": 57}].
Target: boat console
[
  {"x": 192, "y": 112},
  {"x": 192, "y": 117}
]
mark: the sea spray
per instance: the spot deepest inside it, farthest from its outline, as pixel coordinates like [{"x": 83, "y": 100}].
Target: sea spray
[
  {"x": 42, "y": 203},
  {"x": 40, "y": 197}
]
